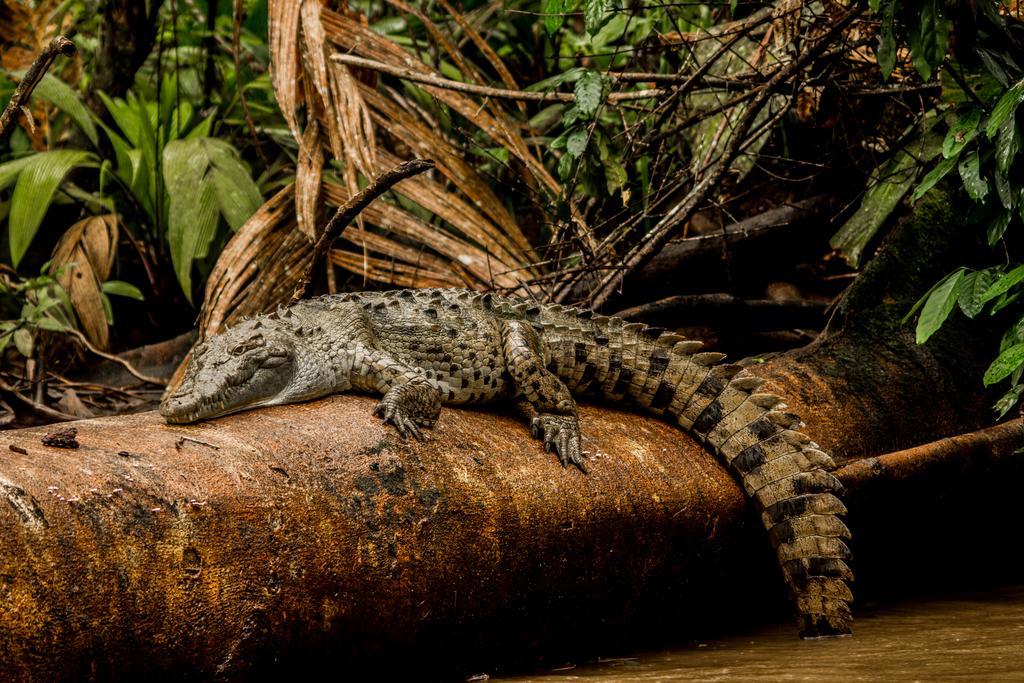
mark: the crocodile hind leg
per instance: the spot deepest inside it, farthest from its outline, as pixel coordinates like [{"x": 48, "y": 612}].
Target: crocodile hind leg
[
  {"x": 410, "y": 400},
  {"x": 555, "y": 421}
]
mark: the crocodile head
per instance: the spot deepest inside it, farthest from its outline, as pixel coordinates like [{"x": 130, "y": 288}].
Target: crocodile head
[{"x": 248, "y": 366}]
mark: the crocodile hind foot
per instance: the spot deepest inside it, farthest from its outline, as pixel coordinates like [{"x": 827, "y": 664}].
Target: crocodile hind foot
[
  {"x": 561, "y": 434},
  {"x": 408, "y": 407}
]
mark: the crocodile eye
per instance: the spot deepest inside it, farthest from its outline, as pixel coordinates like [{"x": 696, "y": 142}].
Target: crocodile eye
[{"x": 249, "y": 344}]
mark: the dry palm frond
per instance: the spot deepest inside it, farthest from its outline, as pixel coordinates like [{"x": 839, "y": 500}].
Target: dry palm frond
[
  {"x": 367, "y": 129},
  {"x": 83, "y": 259}
]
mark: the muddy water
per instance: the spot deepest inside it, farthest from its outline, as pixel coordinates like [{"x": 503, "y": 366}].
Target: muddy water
[{"x": 972, "y": 637}]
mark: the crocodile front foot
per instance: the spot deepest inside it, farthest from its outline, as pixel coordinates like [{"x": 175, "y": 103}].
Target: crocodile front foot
[
  {"x": 561, "y": 434},
  {"x": 408, "y": 407}
]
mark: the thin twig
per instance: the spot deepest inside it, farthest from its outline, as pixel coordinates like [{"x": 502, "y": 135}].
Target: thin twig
[
  {"x": 116, "y": 359},
  {"x": 348, "y": 211},
  {"x": 58, "y": 46},
  {"x": 483, "y": 90},
  {"x": 35, "y": 406},
  {"x": 655, "y": 238}
]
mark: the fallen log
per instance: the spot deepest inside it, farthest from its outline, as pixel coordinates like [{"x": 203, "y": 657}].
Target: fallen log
[{"x": 309, "y": 535}]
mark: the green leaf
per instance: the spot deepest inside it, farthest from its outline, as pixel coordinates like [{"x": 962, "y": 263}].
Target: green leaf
[
  {"x": 1007, "y": 196},
  {"x": 64, "y": 97},
  {"x": 589, "y": 93},
  {"x": 193, "y": 208},
  {"x": 51, "y": 324},
  {"x": 873, "y": 5},
  {"x": 554, "y": 15},
  {"x": 576, "y": 143},
  {"x": 973, "y": 288},
  {"x": 1003, "y": 284},
  {"x": 961, "y": 133},
  {"x": 122, "y": 288},
  {"x": 1008, "y": 361},
  {"x": 615, "y": 175},
  {"x": 1005, "y": 108},
  {"x": 594, "y": 12},
  {"x": 23, "y": 342},
  {"x": 1005, "y": 404},
  {"x": 939, "y": 305},
  {"x": 889, "y": 183},
  {"x": 970, "y": 173},
  {"x": 33, "y": 193},
  {"x": 9, "y": 170},
  {"x": 928, "y": 37},
  {"x": 934, "y": 176},
  {"x": 237, "y": 194},
  {"x": 997, "y": 227},
  {"x": 565, "y": 167},
  {"x": 1007, "y": 144}
]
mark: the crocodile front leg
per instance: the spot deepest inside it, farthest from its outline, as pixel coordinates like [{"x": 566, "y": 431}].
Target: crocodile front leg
[
  {"x": 410, "y": 400},
  {"x": 555, "y": 421}
]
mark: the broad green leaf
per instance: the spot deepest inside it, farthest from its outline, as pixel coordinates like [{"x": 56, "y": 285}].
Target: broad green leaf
[
  {"x": 33, "y": 193},
  {"x": 998, "y": 226},
  {"x": 973, "y": 288},
  {"x": 939, "y": 305},
  {"x": 554, "y": 15},
  {"x": 970, "y": 173},
  {"x": 1003, "y": 284},
  {"x": 1007, "y": 144},
  {"x": 51, "y": 324},
  {"x": 589, "y": 93},
  {"x": 961, "y": 133},
  {"x": 1004, "y": 364},
  {"x": 933, "y": 177},
  {"x": 1005, "y": 108},
  {"x": 888, "y": 184},
  {"x": 237, "y": 194},
  {"x": 928, "y": 36},
  {"x": 565, "y": 167},
  {"x": 64, "y": 97},
  {"x": 1004, "y": 301},
  {"x": 576, "y": 143},
  {"x": 23, "y": 342},
  {"x": 594, "y": 12},
  {"x": 1008, "y": 196},
  {"x": 9, "y": 170},
  {"x": 873, "y": 5},
  {"x": 122, "y": 288},
  {"x": 615, "y": 175},
  {"x": 192, "y": 211},
  {"x": 124, "y": 116}
]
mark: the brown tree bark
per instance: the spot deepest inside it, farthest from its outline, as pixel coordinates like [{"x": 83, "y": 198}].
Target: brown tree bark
[{"x": 127, "y": 33}]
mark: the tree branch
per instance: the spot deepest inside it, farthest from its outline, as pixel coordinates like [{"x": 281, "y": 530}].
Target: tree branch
[
  {"x": 348, "y": 211},
  {"x": 483, "y": 90},
  {"x": 58, "y": 46}
]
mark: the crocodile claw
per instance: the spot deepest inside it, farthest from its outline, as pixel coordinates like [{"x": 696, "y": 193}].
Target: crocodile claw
[
  {"x": 561, "y": 435},
  {"x": 407, "y": 426}
]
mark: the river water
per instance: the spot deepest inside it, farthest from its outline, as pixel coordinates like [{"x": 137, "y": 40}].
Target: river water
[{"x": 969, "y": 637}]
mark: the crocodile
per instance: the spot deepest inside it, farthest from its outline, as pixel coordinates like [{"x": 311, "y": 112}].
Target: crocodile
[{"x": 422, "y": 348}]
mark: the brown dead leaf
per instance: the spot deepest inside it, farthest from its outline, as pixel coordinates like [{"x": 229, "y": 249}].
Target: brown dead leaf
[{"x": 84, "y": 256}]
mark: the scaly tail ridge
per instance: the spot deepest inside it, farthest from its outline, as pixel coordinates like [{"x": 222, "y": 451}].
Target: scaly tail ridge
[{"x": 781, "y": 469}]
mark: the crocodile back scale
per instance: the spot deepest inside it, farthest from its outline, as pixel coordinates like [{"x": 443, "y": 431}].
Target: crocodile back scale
[{"x": 422, "y": 348}]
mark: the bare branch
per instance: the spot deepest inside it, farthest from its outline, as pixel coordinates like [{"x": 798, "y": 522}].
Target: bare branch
[
  {"x": 483, "y": 90},
  {"x": 348, "y": 211},
  {"x": 58, "y": 46}
]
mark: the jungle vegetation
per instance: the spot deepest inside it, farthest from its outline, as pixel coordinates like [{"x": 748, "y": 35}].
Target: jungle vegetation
[{"x": 174, "y": 172}]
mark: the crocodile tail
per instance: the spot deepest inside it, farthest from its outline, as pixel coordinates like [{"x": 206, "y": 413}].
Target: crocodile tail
[{"x": 782, "y": 470}]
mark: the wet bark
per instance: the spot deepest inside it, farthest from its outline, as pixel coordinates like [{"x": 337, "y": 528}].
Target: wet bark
[{"x": 865, "y": 387}]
